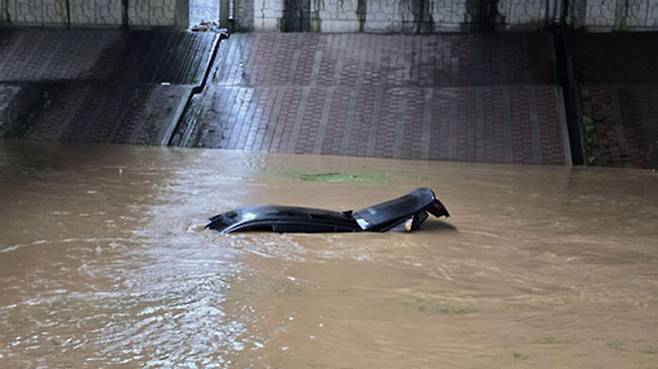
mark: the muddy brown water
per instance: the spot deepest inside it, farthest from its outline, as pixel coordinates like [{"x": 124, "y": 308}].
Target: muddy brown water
[{"x": 104, "y": 263}]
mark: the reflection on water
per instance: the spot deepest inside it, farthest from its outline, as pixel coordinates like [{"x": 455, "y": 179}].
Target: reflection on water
[{"x": 104, "y": 263}]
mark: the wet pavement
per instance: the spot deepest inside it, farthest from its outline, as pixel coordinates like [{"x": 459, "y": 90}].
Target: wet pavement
[
  {"x": 618, "y": 77},
  {"x": 476, "y": 97},
  {"x": 104, "y": 263},
  {"x": 92, "y": 85},
  {"x": 469, "y": 97}
]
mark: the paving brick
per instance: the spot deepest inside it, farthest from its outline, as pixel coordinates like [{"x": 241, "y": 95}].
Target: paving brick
[
  {"x": 395, "y": 130},
  {"x": 110, "y": 56},
  {"x": 619, "y": 72},
  {"x": 98, "y": 85},
  {"x": 625, "y": 130},
  {"x": 626, "y": 58},
  {"x": 348, "y": 59},
  {"x": 108, "y": 114},
  {"x": 470, "y": 97}
]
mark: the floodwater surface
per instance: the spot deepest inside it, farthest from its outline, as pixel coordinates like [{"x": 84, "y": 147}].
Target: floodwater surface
[{"x": 104, "y": 262}]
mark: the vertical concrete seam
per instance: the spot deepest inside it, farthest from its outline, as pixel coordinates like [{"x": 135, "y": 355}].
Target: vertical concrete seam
[
  {"x": 361, "y": 14},
  {"x": 124, "y": 13},
  {"x": 68, "y": 13},
  {"x": 7, "y": 13}
]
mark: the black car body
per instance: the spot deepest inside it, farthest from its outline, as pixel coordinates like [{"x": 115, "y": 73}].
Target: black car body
[{"x": 405, "y": 213}]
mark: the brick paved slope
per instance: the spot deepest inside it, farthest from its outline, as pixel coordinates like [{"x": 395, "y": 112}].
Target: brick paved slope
[
  {"x": 618, "y": 76},
  {"x": 625, "y": 125},
  {"x": 50, "y": 55},
  {"x": 471, "y": 97},
  {"x": 8, "y": 108},
  {"x": 474, "y": 59},
  {"x": 98, "y": 85},
  {"x": 132, "y": 114}
]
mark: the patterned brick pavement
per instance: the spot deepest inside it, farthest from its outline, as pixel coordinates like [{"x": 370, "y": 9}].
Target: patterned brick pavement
[
  {"x": 56, "y": 54},
  {"x": 625, "y": 125},
  {"x": 476, "y": 59},
  {"x": 618, "y": 76},
  {"x": 38, "y": 55},
  {"x": 469, "y": 97},
  {"x": 108, "y": 114}
]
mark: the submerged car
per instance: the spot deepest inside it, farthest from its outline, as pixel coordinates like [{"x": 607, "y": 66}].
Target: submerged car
[{"x": 403, "y": 214}]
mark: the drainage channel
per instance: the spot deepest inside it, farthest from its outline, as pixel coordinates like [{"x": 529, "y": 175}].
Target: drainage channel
[
  {"x": 566, "y": 79},
  {"x": 180, "y": 132}
]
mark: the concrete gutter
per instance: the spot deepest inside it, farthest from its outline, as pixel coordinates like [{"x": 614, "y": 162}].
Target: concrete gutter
[{"x": 197, "y": 89}]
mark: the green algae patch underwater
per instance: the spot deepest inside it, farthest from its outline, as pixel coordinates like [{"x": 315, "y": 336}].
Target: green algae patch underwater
[{"x": 336, "y": 177}]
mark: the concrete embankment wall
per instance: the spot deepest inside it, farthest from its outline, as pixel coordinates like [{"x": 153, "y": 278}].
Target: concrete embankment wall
[
  {"x": 437, "y": 15},
  {"x": 109, "y": 13},
  {"x": 409, "y": 16}
]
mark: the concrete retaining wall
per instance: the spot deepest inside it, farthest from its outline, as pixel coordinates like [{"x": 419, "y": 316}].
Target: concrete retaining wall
[
  {"x": 626, "y": 14},
  {"x": 439, "y": 15},
  {"x": 139, "y": 13},
  {"x": 408, "y": 16}
]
